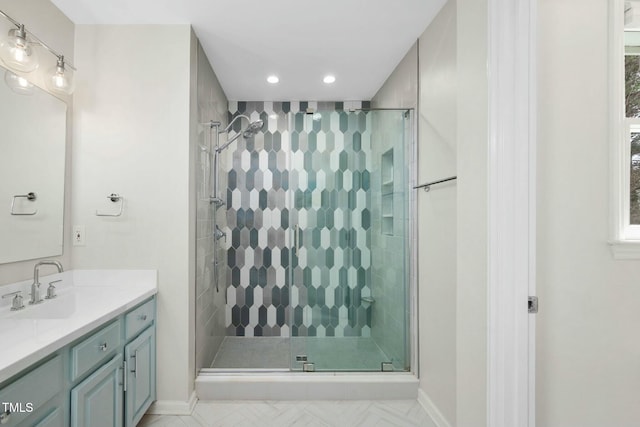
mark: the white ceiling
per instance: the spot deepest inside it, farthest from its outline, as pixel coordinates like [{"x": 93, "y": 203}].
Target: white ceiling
[{"x": 359, "y": 41}]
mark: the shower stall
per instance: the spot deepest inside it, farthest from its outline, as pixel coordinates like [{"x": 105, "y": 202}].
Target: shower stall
[{"x": 308, "y": 260}]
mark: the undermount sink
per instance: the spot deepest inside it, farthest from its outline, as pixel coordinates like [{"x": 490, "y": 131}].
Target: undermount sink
[{"x": 60, "y": 307}]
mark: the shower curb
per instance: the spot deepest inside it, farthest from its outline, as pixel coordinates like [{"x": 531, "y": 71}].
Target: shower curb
[{"x": 306, "y": 386}]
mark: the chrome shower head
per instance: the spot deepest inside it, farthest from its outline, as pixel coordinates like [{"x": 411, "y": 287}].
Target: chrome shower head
[
  {"x": 250, "y": 131},
  {"x": 253, "y": 128}
]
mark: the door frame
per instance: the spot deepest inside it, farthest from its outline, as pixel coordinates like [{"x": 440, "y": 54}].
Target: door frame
[{"x": 512, "y": 212}]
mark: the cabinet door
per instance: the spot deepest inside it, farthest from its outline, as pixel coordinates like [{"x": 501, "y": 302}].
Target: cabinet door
[
  {"x": 140, "y": 355},
  {"x": 97, "y": 401},
  {"x": 54, "y": 419}
]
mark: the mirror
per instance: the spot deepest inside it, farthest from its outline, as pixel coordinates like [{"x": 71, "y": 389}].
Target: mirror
[{"x": 32, "y": 169}]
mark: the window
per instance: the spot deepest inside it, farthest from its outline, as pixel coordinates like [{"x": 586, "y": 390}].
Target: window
[
  {"x": 632, "y": 111},
  {"x": 625, "y": 108}
]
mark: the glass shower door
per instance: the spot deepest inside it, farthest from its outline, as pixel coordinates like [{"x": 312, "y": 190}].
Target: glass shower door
[{"x": 336, "y": 214}]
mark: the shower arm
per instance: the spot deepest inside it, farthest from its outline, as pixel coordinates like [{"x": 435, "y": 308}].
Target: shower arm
[
  {"x": 226, "y": 144},
  {"x": 232, "y": 121}
]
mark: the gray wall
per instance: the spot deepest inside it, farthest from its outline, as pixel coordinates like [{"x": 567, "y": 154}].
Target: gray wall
[{"x": 211, "y": 104}]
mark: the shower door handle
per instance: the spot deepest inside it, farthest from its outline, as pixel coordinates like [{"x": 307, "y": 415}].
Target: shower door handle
[{"x": 297, "y": 238}]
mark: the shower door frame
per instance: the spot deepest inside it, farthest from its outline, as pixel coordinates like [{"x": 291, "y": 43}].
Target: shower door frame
[{"x": 410, "y": 151}]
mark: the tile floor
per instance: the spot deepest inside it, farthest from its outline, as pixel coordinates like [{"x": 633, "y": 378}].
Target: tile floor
[{"x": 398, "y": 413}]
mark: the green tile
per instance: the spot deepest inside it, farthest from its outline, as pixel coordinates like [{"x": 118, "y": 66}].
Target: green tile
[
  {"x": 366, "y": 219},
  {"x": 311, "y": 295},
  {"x": 299, "y": 122},
  {"x": 329, "y": 257},
  {"x": 277, "y": 141},
  {"x": 366, "y": 180},
  {"x": 321, "y": 218},
  {"x": 313, "y": 142},
  {"x": 315, "y": 238},
  {"x": 357, "y": 141},
  {"x": 344, "y": 121},
  {"x": 344, "y": 159}
]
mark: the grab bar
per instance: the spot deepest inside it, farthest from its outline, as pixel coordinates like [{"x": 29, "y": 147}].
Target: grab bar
[
  {"x": 29, "y": 196},
  {"x": 114, "y": 198},
  {"x": 429, "y": 184}
]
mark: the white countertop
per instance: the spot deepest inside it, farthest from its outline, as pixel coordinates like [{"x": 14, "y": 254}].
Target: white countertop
[{"x": 86, "y": 299}]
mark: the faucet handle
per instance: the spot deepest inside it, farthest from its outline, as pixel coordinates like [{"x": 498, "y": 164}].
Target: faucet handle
[
  {"x": 16, "y": 302},
  {"x": 51, "y": 290}
]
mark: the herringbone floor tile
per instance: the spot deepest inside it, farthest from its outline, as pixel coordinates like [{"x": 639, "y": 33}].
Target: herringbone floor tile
[{"x": 365, "y": 413}]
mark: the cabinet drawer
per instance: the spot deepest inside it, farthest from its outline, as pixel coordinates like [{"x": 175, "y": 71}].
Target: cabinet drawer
[
  {"x": 30, "y": 392},
  {"x": 138, "y": 319},
  {"x": 93, "y": 350}
]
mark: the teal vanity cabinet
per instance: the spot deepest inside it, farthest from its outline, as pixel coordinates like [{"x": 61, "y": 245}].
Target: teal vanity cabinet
[
  {"x": 106, "y": 378},
  {"x": 36, "y": 397},
  {"x": 97, "y": 401},
  {"x": 120, "y": 391},
  {"x": 140, "y": 376},
  {"x": 140, "y": 362}
]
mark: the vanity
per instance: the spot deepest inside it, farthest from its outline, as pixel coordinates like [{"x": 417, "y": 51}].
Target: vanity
[{"x": 83, "y": 358}]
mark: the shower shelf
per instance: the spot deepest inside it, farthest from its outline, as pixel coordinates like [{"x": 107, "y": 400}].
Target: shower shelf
[{"x": 387, "y": 192}]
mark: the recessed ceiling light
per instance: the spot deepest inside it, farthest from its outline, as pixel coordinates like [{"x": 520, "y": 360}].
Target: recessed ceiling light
[
  {"x": 329, "y": 79},
  {"x": 273, "y": 79}
]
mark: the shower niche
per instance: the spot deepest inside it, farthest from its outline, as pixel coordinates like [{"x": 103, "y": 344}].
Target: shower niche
[{"x": 386, "y": 165}]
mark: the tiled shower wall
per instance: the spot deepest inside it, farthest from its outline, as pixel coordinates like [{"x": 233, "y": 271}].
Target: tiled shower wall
[
  {"x": 309, "y": 171},
  {"x": 210, "y": 282}
]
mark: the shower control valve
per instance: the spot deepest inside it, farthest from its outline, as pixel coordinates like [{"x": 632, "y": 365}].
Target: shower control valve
[{"x": 219, "y": 234}]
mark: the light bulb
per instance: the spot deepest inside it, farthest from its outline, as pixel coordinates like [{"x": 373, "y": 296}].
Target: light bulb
[
  {"x": 329, "y": 79},
  {"x": 60, "y": 78},
  {"x": 17, "y": 52},
  {"x": 18, "y": 84}
]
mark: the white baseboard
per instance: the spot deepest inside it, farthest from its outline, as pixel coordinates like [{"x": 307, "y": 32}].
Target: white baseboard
[
  {"x": 432, "y": 409},
  {"x": 174, "y": 407}
]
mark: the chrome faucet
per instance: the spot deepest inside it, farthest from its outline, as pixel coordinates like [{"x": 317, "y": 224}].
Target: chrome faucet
[{"x": 35, "y": 286}]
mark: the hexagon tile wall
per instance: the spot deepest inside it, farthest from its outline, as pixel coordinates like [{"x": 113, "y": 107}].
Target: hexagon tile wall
[{"x": 305, "y": 179}]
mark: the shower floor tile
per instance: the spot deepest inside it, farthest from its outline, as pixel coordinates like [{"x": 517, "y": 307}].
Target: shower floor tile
[
  {"x": 327, "y": 353},
  {"x": 253, "y": 353}
]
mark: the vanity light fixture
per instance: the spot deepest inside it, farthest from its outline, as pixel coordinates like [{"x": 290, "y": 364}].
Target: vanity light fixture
[
  {"x": 60, "y": 79},
  {"x": 273, "y": 79},
  {"x": 17, "y": 83},
  {"x": 328, "y": 79},
  {"x": 18, "y": 53}
]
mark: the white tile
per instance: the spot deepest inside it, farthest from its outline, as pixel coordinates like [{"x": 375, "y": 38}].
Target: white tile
[
  {"x": 298, "y": 413},
  {"x": 161, "y": 421}
]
